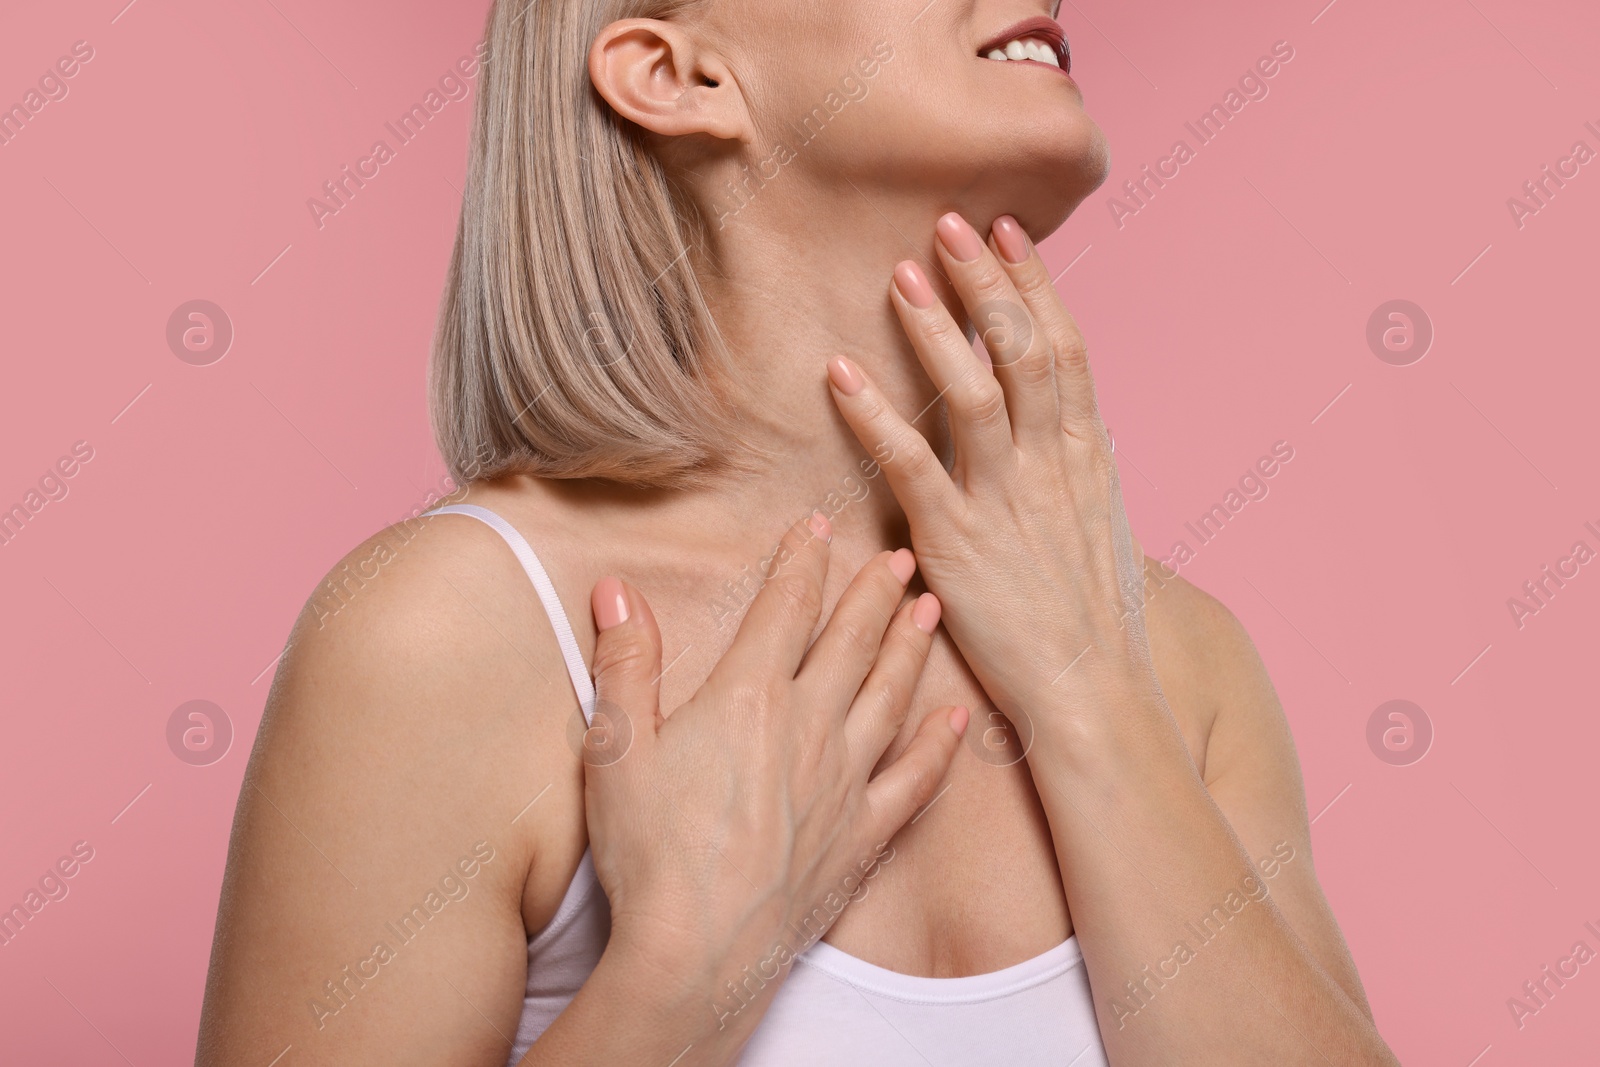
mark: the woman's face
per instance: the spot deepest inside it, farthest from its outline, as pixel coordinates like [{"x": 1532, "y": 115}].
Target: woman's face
[{"x": 906, "y": 97}]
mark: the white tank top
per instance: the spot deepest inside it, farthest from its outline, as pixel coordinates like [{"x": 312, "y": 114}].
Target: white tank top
[{"x": 834, "y": 1009}]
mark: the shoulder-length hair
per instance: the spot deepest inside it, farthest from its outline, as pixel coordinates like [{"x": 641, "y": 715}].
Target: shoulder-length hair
[{"x": 573, "y": 338}]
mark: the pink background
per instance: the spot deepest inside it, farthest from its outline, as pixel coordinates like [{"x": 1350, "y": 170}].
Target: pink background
[{"x": 1226, "y": 315}]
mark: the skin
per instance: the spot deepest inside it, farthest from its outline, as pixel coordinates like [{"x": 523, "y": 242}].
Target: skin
[{"x": 432, "y": 711}]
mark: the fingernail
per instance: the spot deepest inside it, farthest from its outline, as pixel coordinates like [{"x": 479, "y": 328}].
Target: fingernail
[
  {"x": 845, "y": 377},
  {"x": 821, "y": 526},
  {"x": 959, "y": 719},
  {"x": 1014, "y": 244},
  {"x": 960, "y": 238},
  {"x": 913, "y": 285},
  {"x": 925, "y": 615},
  {"x": 903, "y": 564},
  {"x": 610, "y": 603}
]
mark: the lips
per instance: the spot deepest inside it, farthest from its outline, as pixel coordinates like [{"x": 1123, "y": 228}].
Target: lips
[{"x": 1038, "y": 29}]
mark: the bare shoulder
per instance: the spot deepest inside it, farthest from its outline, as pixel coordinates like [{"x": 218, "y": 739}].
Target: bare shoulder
[
  {"x": 406, "y": 582},
  {"x": 417, "y": 709},
  {"x": 426, "y": 650},
  {"x": 437, "y": 610},
  {"x": 1214, "y": 677},
  {"x": 1213, "y": 665},
  {"x": 1206, "y": 661}
]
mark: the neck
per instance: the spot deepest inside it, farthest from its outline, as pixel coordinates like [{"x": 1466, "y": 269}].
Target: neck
[{"x": 792, "y": 290}]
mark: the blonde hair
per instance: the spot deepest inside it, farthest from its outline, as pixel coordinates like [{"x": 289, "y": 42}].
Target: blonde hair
[{"x": 573, "y": 337}]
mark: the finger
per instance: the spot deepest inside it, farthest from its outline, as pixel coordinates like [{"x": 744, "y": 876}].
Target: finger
[
  {"x": 844, "y": 653},
  {"x": 1074, "y": 384},
  {"x": 778, "y": 627},
  {"x": 1023, "y": 363},
  {"x": 627, "y": 671},
  {"x": 917, "y": 478},
  {"x": 908, "y": 784},
  {"x": 881, "y": 706},
  {"x": 979, "y": 423}
]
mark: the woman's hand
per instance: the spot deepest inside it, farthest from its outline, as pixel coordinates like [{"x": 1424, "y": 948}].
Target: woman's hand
[
  {"x": 1025, "y": 539},
  {"x": 732, "y": 833}
]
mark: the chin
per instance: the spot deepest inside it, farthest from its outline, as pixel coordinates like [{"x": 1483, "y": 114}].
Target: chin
[{"x": 1044, "y": 186}]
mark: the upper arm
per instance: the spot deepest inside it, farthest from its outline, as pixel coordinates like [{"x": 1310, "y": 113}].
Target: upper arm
[
  {"x": 372, "y": 905},
  {"x": 1253, "y": 774}
]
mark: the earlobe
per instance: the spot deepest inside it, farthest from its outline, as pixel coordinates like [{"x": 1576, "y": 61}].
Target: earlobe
[{"x": 655, "y": 75}]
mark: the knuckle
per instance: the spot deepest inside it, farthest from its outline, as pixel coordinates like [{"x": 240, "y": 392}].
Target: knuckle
[
  {"x": 917, "y": 462},
  {"x": 1034, "y": 282},
  {"x": 1034, "y": 366},
  {"x": 920, "y": 783},
  {"x": 985, "y": 402},
  {"x": 1072, "y": 351},
  {"x": 1028, "y": 367},
  {"x": 872, "y": 406},
  {"x": 1004, "y": 327},
  {"x": 621, "y": 655},
  {"x": 1101, "y": 462},
  {"x": 858, "y": 637},
  {"x": 760, "y": 700},
  {"x": 893, "y": 700},
  {"x": 1103, "y": 445},
  {"x": 751, "y": 703},
  {"x": 797, "y": 593},
  {"x": 989, "y": 278},
  {"x": 941, "y": 330}
]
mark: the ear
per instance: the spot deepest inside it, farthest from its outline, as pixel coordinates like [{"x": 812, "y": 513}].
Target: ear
[{"x": 658, "y": 77}]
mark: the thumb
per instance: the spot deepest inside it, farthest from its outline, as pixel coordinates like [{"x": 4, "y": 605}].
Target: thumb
[{"x": 627, "y": 666}]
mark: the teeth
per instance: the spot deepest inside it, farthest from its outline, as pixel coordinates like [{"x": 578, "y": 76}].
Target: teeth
[{"x": 1026, "y": 48}]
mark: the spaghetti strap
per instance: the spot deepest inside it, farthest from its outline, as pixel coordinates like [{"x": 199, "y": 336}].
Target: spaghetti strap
[{"x": 577, "y": 670}]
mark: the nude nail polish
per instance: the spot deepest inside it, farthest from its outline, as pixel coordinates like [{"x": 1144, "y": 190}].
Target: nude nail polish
[
  {"x": 610, "y": 603},
  {"x": 845, "y": 377},
  {"x": 821, "y": 526},
  {"x": 913, "y": 285},
  {"x": 903, "y": 564},
  {"x": 1012, "y": 239},
  {"x": 959, "y": 717},
  {"x": 925, "y": 615},
  {"x": 959, "y": 238}
]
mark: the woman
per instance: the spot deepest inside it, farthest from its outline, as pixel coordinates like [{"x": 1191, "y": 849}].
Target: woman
[{"x": 1067, "y": 827}]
